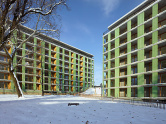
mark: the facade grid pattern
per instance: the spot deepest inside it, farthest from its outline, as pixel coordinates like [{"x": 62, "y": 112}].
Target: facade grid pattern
[
  {"x": 66, "y": 69},
  {"x": 134, "y": 51}
]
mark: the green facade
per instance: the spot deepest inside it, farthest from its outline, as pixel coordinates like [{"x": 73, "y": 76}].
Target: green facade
[
  {"x": 139, "y": 63},
  {"x": 57, "y": 66}
]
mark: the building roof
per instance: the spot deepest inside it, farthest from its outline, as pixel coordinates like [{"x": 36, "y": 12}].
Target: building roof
[
  {"x": 129, "y": 14},
  {"x": 55, "y": 41}
]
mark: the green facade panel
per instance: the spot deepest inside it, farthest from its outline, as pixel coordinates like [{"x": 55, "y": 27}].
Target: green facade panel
[
  {"x": 91, "y": 74},
  {"x": 49, "y": 67},
  {"x": 63, "y": 71},
  {"x": 43, "y": 63},
  {"x": 34, "y": 63},
  {"x": 117, "y": 40},
  {"x": 69, "y": 71},
  {"x": 154, "y": 50},
  {"x": 129, "y": 59},
  {"x": 74, "y": 73},
  {"x": 78, "y": 81},
  {"x": 84, "y": 73},
  {"x": 57, "y": 68},
  {"x": 103, "y": 71},
  {"x": 140, "y": 54},
  {"x": 109, "y": 66}
]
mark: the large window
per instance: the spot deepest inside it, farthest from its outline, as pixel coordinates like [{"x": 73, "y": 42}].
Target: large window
[
  {"x": 162, "y": 64},
  {"x": 133, "y": 58},
  {"x": 133, "y": 92},
  {"x": 3, "y": 76},
  {"x": 147, "y": 92},
  {"x": 122, "y": 92},
  {"x": 162, "y": 91},
  {"x": 134, "y": 81},
  {"x": 123, "y": 82},
  {"x": 148, "y": 79},
  {"x": 162, "y": 50},
  {"x": 162, "y": 78},
  {"x": 29, "y": 86},
  {"x": 133, "y": 70},
  {"x": 4, "y": 85},
  {"x": 148, "y": 67}
]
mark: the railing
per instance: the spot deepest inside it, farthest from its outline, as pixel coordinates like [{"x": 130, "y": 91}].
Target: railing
[{"x": 106, "y": 32}]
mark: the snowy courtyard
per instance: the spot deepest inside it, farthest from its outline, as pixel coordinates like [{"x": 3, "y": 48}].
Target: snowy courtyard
[{"x": 35, "y": 109}]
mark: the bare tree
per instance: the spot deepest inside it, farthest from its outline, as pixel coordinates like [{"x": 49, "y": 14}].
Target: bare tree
[{"x": 13, "y": 13}]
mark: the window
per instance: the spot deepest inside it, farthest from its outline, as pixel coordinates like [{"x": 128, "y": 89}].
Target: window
[
  {"x": 66, "y": 77},
  {"x": 133, "y": 58},
  {"x": 162, "y": 64},
  {"x": 163, "y": 50},
  {"x": 134, "y": 81},
  {"x": 133, "y": 70},
  {"x": 148, "y": 79},
  {"x": 29, "y": 86},
  {"x": 133, "y": 92}
]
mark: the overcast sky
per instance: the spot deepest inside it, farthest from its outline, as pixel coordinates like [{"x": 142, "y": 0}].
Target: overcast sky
[{"x": 84, "y": 24}]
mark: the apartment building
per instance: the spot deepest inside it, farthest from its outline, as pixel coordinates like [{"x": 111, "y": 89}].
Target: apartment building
[
  {"x": 134, "y": 53},
  {"x": 60, "y": 67}
]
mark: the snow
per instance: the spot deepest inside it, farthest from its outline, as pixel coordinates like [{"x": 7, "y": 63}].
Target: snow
[
  {"x": 93, "y": 91},
  {"x": 35, "y": 109}
]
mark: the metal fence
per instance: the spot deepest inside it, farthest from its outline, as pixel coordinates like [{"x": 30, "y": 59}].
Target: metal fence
[{"x": 140, "y": 102}]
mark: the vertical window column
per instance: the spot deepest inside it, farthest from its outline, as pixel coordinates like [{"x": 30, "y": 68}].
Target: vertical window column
[
  {"x": 154, "y": 50},
  {"x": 57, "y": 68},
  {"x": 117, "y": 62},
  {"x": 43, "y": 62},
  {"x": 87, "y": 72},
  {"x": 34, "y": 63},
  {"x": 78, "y": 82},
  {"x": 91, "y": 73},
  {"x": 63, "y": 70},
  {"x": 109, "y": 65},
  {"x": 103, "y": 66},
  {"x": 49, "y": 68},
  {"x": 74, "y": 74},
  {"x": 140, "y": 54},
  {"x": 69, "y": 71},
  {"x": 129, "y": 59},
  {"x": 83, "y": 73}
]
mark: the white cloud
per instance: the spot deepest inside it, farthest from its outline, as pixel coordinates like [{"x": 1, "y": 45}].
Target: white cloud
[
  {"x": 109, "y": 5},
  {"x": 83, "y": 28},
  {"x": 106, "y": 5}
]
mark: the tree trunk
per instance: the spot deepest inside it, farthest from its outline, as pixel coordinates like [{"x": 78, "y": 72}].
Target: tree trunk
[{"x": 16, "y": 83}]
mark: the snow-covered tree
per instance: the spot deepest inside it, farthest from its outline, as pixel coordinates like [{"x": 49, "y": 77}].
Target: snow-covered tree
[{"x": 41, "y": 14}]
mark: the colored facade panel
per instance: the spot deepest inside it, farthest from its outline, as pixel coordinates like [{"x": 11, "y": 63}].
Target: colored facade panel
[
  {"x": 137, "y": 48},
  {"x": 60, "y": 67}
]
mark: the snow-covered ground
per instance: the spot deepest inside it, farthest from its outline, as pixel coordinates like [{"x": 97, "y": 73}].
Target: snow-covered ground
[
  {"x": 55, "y": 110},
  {"x": 93, "y": 91}
]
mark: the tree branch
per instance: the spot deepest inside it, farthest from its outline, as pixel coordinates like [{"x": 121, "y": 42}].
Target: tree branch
[
  {"x": 7, "y": 53},
  {"x": 26, "y": 39},
  {"x": 40, "y": 11}
]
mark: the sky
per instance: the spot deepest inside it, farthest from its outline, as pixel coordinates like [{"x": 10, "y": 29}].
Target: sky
[{"x": 83, "y": 25}]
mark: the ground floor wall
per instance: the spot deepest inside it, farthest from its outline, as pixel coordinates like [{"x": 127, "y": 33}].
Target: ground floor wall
[{"x": 148, "y": 91}]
